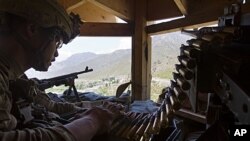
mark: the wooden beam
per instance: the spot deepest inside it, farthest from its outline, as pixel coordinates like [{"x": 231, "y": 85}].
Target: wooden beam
[
  {"x": 123, "y": 9},
  {"x": 140, "y": 57},
  {"x": 91, "y": 13},
  {"x": 191, "y": 115},
  {"x": 191, "y": 21},
  {"x": 181, "y": 6},
  {"x": 177, "y": 25},
  {"x": 106, "y": 29},
  {"x": 149, "y": 64}
]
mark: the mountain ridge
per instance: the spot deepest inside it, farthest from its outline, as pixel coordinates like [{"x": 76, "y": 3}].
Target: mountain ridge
[{"x": 165, "y": 48}]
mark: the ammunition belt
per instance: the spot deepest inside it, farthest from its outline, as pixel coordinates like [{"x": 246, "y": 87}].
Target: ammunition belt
[{"x": 138, "y": 126}]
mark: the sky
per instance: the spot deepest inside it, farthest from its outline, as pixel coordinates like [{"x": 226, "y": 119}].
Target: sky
[{"x": 98, "y": 45}]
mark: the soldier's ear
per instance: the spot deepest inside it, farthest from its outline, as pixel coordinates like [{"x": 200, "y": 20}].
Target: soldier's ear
[{"x": 31, "y": 29}]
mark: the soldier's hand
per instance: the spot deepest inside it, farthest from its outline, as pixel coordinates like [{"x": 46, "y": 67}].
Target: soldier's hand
[
  {"x": 95, "y": 121},
  {"x": 102, "y": 118},
  {"x": 103, "y": 115},
  {"x": 116, "y": 108}
]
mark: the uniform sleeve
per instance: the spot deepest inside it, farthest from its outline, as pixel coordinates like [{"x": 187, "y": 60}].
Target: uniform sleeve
[
  {"x": 56, "y": 107},
  {"x": 58, "y": 133},
  {"x": 8, "y": 122}
]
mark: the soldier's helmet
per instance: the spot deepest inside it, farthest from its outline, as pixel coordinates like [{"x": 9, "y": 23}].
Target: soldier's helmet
[{"x": 45, "y": 13}]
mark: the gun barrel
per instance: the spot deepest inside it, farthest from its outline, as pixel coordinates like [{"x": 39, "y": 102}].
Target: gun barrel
[
  {"x": 193, "y": 33},
  {"x": 199, "y": 33}
]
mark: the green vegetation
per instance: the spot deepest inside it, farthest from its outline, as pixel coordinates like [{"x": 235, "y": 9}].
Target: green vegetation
[
  {"x": 115, "y": 69},
  {"x": 107, "y": 90},
  {"x": 156, "y": 89},
  {"x": 58, "y": 89},
  {"x": 105, "y": 86},
  {"x": 167, "y": 74}
]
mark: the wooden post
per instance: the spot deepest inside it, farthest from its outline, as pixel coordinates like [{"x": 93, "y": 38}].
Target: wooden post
[
  {"x": 149, "y": 74},
  {"x": 140, "y": 54}
]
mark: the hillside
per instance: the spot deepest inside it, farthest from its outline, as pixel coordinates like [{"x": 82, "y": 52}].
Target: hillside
[
  {"x": 110, "y": 70},
  {"x": 165, "y": 48}
]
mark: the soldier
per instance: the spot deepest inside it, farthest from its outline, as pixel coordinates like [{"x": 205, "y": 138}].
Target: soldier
[{"x": 30, "y": 34}]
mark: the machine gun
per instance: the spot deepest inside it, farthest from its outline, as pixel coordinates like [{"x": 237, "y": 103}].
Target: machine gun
[
  {"x": 210, "y": 88},
  {"x": 213, "y": 75},
  {"x": 67, "y": 80}
]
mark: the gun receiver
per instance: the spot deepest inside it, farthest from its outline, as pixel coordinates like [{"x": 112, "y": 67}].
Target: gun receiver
[
  {"x": 67, "y": 80},
  {"x": 199, "y": 33},
  {"x": 59, "y": 80}
]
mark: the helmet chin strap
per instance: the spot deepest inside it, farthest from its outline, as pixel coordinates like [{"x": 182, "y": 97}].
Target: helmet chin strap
[{"x": 35, "y": 55}]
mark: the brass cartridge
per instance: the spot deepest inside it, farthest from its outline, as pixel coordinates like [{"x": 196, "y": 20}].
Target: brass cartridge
[
  {"x": 184, "y": 85},
  {"x": 187, "y": 62},
  {"x": 177, "y": 91},
  {"x": 173, "y": 100},
  {"x": 157, "y": 124},
  {"x": 140, "y": 131},
  {"x": 163, "y": 118},
  {"x": 187, "y": 74},
  {"x": 190, "y": 51}
]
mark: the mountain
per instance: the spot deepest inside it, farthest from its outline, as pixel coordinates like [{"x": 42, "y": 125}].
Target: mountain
[
  {"x": 165, "y": 48},
  {"x": 86, "y": 56},
  {"x": 105, "y": 65}
]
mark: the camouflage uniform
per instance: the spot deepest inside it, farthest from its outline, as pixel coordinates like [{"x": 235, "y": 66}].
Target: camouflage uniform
[
  {"x": 56, "y": 107},
  {"x": 9, "y": 70}
]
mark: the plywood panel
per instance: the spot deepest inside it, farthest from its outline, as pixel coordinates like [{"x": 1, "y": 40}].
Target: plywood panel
[
  {"x": 123, "y": 9},
  {"x": 162, "y": 9},
  {"x": 91, "y": 13}
]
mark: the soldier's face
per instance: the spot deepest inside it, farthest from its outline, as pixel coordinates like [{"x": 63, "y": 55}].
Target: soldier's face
[
  {"x": 45, "y": 43},
  {"x": 50, "y": 52},
  {"x": 47, "y": 55}
]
